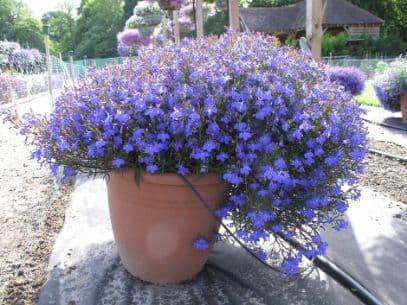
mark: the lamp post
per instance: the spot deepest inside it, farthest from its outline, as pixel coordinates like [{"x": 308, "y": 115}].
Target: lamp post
[{"x": 45, "y": 31}]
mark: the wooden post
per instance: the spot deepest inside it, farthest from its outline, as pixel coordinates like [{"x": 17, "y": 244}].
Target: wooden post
[
  {"x": 234, "y": 15},
  {"x": 314, "y": 27},
  {"x": 164, "y": 25},
  {"x": 199, "y": 19},
  {"x": 49, "y": 68},
  {"x": 176, "y": 26}
]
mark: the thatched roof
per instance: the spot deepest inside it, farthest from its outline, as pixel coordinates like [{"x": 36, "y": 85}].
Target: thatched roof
[{"x": 292, "y": 17}]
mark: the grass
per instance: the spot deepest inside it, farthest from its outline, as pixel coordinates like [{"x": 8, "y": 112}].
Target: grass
[{"x": 368, "y": 96}]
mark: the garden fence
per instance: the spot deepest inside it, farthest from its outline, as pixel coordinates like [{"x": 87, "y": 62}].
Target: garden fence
[
  {"x": 367, "y": 65},
  {"x": 20, "y": 80}
]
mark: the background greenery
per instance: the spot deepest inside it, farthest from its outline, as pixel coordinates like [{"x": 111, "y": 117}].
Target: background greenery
[{"x": 91, "y": 29}]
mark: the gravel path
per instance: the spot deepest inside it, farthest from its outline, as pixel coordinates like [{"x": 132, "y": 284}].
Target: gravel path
[
  {"x": 385, "y": 175},
  {"x": 31, "y": 215}
]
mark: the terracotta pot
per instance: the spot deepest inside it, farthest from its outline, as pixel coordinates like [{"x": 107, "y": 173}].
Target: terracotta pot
[
  {"x": 403, "y": 107},
  {"x": 156, "y": 224}
]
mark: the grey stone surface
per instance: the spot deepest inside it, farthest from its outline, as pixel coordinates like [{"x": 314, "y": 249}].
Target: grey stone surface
[
  {"x": 378, "y": 115},
  {"x": 85, "y": 269},
  {"x": 374, "y": 247}
]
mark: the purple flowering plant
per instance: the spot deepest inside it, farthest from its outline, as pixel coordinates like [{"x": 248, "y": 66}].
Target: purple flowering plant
[
  {"x": 129, "y": 41},
  {"x": 391, "y": 83},
  {"x": 267, "y": 119},
  {"x": 351, "y": 78}
]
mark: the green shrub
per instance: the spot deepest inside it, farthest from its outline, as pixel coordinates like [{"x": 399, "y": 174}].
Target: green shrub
[{"x": 335, "y": 45}]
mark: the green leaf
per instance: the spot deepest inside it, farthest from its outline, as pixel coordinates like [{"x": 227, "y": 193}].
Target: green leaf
[{"x": 137, "y": 176}]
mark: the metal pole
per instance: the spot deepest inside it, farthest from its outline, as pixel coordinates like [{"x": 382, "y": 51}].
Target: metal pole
[
  {"x": 48, "y": 59},
  {"x": 199, "y": 19}
]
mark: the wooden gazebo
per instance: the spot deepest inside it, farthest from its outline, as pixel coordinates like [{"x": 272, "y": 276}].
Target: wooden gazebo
[{"x": 313, "y": 19}]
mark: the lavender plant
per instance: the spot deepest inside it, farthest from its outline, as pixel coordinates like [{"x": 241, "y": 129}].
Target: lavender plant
[
  {"x": 351, "y": 78},
  {"x": 391, "y": 83},
  {"x": 265, "y": 118}
]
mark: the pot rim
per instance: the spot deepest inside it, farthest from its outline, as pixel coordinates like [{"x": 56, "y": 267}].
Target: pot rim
[{"x": 170, "y": 178}]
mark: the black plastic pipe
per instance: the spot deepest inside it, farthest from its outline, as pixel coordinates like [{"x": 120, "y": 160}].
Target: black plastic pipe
[
  {"x": 337, "y": 273},
  {"x": 385, "y": 154},
  {"x": 343, "y": 277}
]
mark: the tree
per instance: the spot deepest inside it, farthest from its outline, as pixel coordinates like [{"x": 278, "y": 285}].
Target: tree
[
  {"x": 96, "y": 28},
  {"x": 128, "y": 10},
  {"x": 392, "y": 12},
  {"x": 62, "y": 27},
  {"x": 27, "y": 32},
  {"x": 17, "y": 24}
]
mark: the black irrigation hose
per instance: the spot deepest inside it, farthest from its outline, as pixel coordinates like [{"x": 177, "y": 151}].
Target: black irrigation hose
[
  {"x": 343, "y": 278},
  {"x": 385, "y": 154},
  {"x": 323, "y": 263},
  {"x": 385, "y": 125}
]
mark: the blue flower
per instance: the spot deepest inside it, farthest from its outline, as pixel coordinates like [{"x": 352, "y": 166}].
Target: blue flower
[
  {"x": 182, "y": 170},
  {"x": 201, "y": 244},
  {"x": 118, "y": 162}
]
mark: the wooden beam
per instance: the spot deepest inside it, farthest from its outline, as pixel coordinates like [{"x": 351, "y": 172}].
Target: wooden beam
[
  {"x": 234, "y": 15},
  {"x": 199, "y": 19},
  {"x": 176, "y": 26},
  {"x": 314, "y": 27}
]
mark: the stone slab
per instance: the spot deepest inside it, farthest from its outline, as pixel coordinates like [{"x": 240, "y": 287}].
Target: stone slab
[{"x": 85, "y": 269}]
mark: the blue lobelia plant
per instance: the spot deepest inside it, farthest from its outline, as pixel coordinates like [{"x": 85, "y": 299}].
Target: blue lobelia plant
[
  {"x": 289, "y": 142},
  {"x": 391, "y": 83},
  {"x": 351, "y": 78}
]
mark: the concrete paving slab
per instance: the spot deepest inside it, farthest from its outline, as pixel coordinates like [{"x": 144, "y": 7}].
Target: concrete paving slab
[
  {"x": 85, "y": 269},
  {"x": 380, "y": 115},
  {"x": 374, "y": 247}
]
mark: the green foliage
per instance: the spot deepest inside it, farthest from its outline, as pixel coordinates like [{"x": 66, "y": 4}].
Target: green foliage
[
  {"x": 335, "y": 45},
  {"x": 385, "y": 45},
  {"x": 215, "y": 24},
  {"x": 291, "y": 42},
  {"x": 17, "y": 24},
  {"x": 392, "y": 12},
  {"x": 96, "y": 28},
  {"x": 28, "y": 32},
  {"x": 62, "y": 26},
  {"x": 368, "y": 96},
  {"x": 128, "y": 10}
]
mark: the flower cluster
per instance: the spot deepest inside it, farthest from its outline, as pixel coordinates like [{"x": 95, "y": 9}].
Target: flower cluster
[
  {"x": 351, "y": 78},
  {"x": 391, "y": 83},
  {"x": 129, "y": 41},
  {"x": 266, "y": 118},
  {"x": 20, "y": 59}
]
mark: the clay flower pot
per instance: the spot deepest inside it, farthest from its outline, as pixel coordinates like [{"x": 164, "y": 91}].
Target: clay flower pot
[
  {"x": 156, "y": 224},
  {"x": 403, "y": 107}
]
